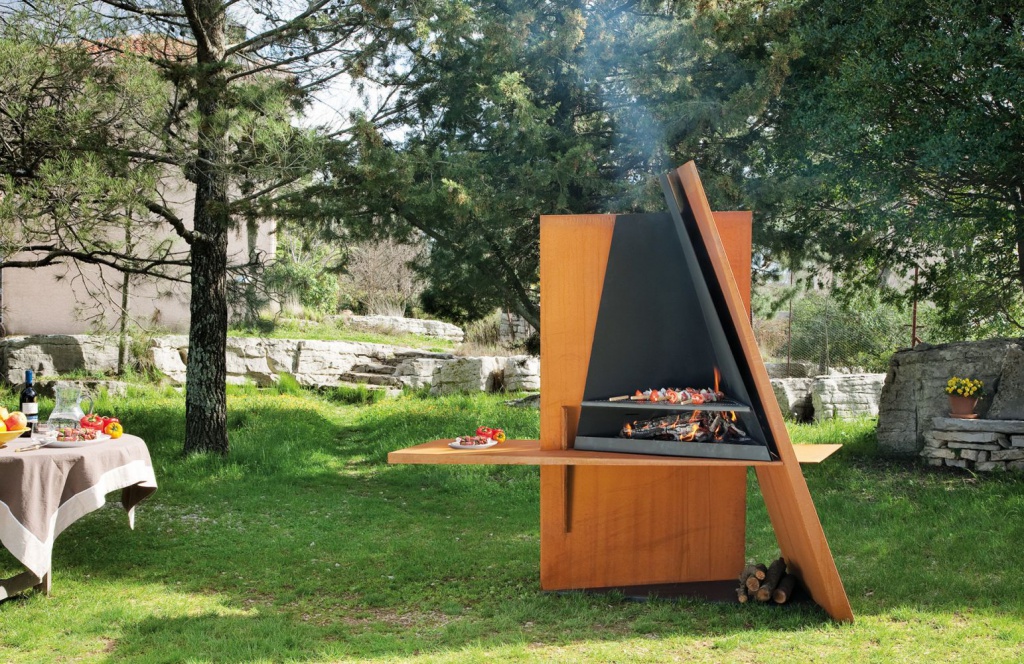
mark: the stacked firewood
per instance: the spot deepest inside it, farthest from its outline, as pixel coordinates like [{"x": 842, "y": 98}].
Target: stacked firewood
[
  {"x": 766, "y": 584},
  {"x": 699, "y": 426}
]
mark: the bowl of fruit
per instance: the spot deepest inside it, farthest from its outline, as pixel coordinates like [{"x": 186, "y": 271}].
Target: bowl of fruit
[{"x": 12, "y": 425}]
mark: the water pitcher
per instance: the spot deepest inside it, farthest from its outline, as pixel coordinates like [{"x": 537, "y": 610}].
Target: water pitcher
[{"x": 68, "y": 410}]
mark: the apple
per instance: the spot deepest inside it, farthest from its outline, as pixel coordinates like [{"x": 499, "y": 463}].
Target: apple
[
  {"x": 3, "y": 427},
  {"x": 16, "y": 420}
]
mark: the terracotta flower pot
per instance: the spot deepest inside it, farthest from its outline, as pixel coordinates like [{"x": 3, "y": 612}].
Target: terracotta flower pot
[{"x": 962, "y": 407}]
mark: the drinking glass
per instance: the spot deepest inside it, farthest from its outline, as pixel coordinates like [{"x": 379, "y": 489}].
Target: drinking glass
[{"x": 42, "y": 431}]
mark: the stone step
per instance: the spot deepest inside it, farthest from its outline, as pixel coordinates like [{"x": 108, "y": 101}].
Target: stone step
[
  {"x": 383, "y": 369},
  {"x": 994, "y": 426},
  {"x": 370, "y": 379}
]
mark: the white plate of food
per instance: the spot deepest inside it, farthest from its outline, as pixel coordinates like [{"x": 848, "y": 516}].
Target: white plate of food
[
  {"x": 470, "y": 443},
  {"x": 54, "y": 442}
]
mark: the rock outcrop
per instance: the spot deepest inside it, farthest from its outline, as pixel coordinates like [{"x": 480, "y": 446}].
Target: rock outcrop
[
  {"x": 261, "y": 361},
  {"x": 52, "y": 354},
  {"x": 914, "y": 393},
  {"x": 846, "y": 396},
  {"x": 400, "y": 325}
]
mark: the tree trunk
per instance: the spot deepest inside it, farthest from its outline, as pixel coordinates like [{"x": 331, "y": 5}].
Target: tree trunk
[
  {"x": 206, "y": 371},
  {"x": 122, "y": 333}
]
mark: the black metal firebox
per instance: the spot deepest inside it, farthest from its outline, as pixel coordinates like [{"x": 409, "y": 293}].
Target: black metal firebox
[{"x": 663, "y": 323}]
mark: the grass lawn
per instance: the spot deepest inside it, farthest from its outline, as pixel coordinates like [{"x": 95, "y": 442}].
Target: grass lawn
[{"x": 303, "y": 545}]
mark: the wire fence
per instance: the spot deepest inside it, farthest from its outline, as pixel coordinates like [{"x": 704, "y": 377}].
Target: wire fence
[{"x": 814, "y": 332}]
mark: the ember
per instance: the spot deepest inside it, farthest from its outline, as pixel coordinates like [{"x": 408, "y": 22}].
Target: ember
[{"x": 700, "y": 427}]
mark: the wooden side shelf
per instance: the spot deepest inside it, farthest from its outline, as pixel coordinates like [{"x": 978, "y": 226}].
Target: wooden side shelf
[{"x": 529, "y": 453}]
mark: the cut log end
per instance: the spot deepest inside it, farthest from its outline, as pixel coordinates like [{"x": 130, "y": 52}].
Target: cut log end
[
  {"x": 784, "y": 592},
  {"x": 741, "y": 595},
  {"x": 771, "y": 580}
]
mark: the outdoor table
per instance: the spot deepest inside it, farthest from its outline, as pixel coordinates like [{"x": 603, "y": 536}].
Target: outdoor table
[{"x": 44, "y": 491}]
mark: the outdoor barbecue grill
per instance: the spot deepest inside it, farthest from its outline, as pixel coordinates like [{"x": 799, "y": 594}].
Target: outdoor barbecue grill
[{"x": 663, "y": 321}]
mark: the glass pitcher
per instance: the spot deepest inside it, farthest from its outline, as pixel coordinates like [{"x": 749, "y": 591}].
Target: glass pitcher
[{"x": 68, "y": 413}]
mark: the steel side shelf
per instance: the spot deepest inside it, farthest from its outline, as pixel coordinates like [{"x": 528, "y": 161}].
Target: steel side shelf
[{"x": 529, "y": 453}]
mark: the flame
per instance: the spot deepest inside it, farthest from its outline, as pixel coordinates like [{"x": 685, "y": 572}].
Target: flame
[
  {"x": 718, "y": 378},
  {"x": 695, "y": 416},
  {"x": 628, "y": 430},
  {"x": 732, "y": 415}
]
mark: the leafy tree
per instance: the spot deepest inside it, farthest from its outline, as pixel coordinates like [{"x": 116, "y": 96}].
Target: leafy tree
[
  {"x": 502, "y": 112},
  {"x": 898, "y": 143},
  {"x": 225, "y": 125},
  {"x": 306, "y": 270}
]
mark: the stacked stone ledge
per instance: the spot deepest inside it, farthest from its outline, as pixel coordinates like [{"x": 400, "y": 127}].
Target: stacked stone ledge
[
  {"x": 979, "y": 445},
  {"x": 313, "y": 363}
]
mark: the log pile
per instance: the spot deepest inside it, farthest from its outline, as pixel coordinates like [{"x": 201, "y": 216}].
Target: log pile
[
  {"x": 766, "y": 584},
  {"x": 700, "y": 427}
]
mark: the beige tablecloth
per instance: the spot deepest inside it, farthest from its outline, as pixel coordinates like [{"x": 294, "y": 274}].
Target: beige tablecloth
[{"x": 44, "y": 491}]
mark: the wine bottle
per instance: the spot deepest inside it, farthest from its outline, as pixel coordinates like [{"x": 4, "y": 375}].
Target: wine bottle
[{"x": 28, "y": 403}]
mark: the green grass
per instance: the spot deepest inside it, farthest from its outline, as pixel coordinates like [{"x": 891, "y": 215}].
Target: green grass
[
  {"x": 330, "y": 331},
  {"x": 303, "y": 546}
]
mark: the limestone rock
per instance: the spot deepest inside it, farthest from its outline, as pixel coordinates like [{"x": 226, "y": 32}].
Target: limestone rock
[
  {"x": 247, "y": 361},
  {"x": 469, "y": 374},
  {"x": 794, "y": 397},
  {"x": 1007, "y": 455},
  {"x": 1008, "y": 402},
  {"x": 997, "y": 426},
  {"x": 52, "y": 354},
  {"x": 168, "y": 355},
  {"x": 914, "y": 394},
  {"x": 401, "y": 325},
  {"x": 513, "y": 329},
  {"x": 846, "y": 396},
  {"x": 939, "y": 453},
  {"x": 953, "y": 445},
  {"x": 972, "y": 455},
  {"x": 522, "y": 373},
  {"x": 989, "y": 466},
  {"x": 418, "y": 372},
  {"x": 966, "y": 437}
]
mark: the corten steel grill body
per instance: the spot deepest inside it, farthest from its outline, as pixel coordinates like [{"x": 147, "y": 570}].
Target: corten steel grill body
[
  {"x": 662, "y": 323},
  {"x": 644, "y": 523}
]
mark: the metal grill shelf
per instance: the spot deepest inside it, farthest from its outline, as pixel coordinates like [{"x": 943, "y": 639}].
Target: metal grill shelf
[
  {"x": 725, "y": 405},
  {"x": 752, "y": 452}
]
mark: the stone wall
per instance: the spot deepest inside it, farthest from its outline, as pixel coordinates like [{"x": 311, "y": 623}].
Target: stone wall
[
  {"x": 982, "y": 445},
  {"x": 400, "y": 325},
  {"x": 513, "y": 329},
  {"x": 846, "y": 396},
  {"x": 261, "y": 361},
  {"x": 53, "y": 354},
  {"x": 913, "y": 395},
  {"x": 836, "y": 396}
]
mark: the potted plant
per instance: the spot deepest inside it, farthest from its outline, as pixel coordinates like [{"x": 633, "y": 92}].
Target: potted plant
[{"x": 963, "y": 396}]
